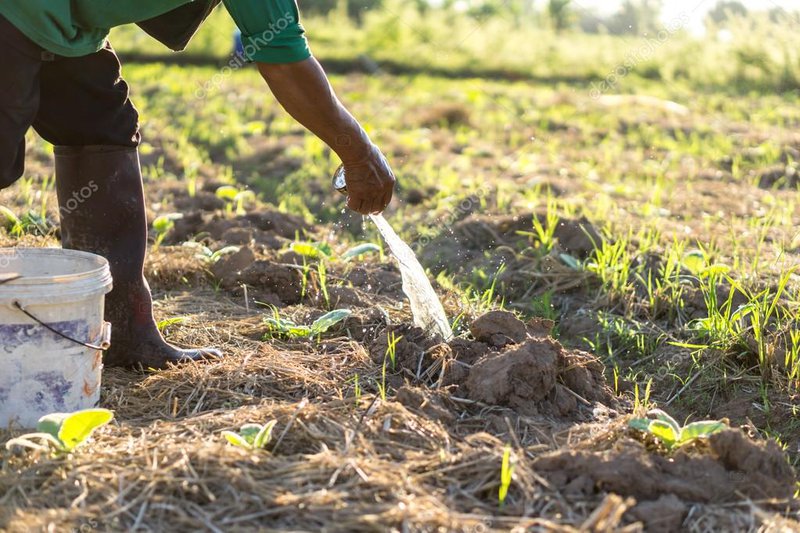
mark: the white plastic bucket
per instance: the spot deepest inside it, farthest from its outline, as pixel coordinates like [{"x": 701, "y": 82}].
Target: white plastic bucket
[{"x": 41, "y": 371}]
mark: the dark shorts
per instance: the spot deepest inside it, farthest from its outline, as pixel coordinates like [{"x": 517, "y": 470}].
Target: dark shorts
[{"x": 72, "y": 101}]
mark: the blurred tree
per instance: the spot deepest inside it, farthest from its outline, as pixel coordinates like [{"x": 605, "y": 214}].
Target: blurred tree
[
  {"x": 560, "y": 14},
  {"x": 724, "y": 10},
  {"x": 636, "y": 17}
]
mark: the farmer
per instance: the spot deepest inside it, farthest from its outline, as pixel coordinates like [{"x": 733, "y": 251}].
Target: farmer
[{"x": 62, "y": 78}]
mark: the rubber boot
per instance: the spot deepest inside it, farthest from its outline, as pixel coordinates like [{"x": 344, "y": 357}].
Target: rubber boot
[{"x": 102, "y": 209}]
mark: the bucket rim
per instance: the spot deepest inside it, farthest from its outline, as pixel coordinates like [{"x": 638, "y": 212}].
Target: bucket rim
[{"x": 101, "y": 268}]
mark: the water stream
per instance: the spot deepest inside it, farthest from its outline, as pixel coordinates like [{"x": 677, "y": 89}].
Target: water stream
[{"x": 425, "y": 304}]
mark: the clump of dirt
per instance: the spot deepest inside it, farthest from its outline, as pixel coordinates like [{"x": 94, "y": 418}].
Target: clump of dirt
[
  {"x": 519, "y": 377},
  {"x": 528, "y": 371},
  {"x": 430, "y": 405},
  {"x": 410, "y": 347},
  {"x": 779, "y": 177},
  {"x": 378, "y": 279},
  {"x": 229, "y": 268},
  {"x": 266, "y": 226},
  {"x": 499, "y": 328},
  {"x": 538, "y": 376},
  {"x": 510, "y": 364},
  {"x": 733, "y": 466},
  {"x": 664, "y": 515},
  {"x": 270, "y": 281},
  {"x": 364, "y": 324}
]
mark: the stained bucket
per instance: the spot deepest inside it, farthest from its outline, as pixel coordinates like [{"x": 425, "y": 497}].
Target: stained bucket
[{"x": 52, "y": 333}]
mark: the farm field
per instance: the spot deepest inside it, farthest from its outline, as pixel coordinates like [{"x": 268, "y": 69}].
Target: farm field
[{"x": 598, "y": 254}]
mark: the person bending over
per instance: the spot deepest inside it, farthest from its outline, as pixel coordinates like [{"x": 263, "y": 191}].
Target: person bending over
[{"x": 63, "y": 78}]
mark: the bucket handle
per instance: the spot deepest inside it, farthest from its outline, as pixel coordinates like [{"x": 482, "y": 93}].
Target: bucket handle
[{"x": 105, "y": 338}]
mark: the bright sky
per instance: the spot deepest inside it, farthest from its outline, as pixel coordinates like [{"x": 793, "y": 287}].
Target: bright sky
[{"x": 694, "y": 10}]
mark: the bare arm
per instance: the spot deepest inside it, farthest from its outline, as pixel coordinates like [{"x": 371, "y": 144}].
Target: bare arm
[{"x": 304, "y": 91}]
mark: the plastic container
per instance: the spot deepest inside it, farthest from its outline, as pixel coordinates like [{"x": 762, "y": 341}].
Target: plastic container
[{"x": 52, "y": 332}]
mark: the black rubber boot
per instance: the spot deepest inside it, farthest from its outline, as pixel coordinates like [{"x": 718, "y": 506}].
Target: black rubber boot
[{"x": 102, "y": 208}]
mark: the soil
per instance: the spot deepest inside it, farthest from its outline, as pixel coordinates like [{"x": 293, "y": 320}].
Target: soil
[
  {"x": 436, "y": 436},
  {"x": 732, "y": 466}
]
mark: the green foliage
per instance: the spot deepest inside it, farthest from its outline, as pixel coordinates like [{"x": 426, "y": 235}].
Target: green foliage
[
  {"x": 29, "y": 223},
  {"x": 671, "y": 434},
  {"x": 251, "y": 436},
  {"x": 64, "y": 432},
  {"x": 283, "y": 327}
]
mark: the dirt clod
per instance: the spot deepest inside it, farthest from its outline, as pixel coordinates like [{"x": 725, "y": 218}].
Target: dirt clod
[
  {"x": 280, "y": 280},
  {"x": 764, "y": 463},
  {"x": 664, "y": 515},
  {"x": 517, "y": 378},
  {"x": 732, "y": 468},
  {"x": 228, "y": 268},
  {"x": 424, "y": 402},
  {"x": 499, "y": 328}
]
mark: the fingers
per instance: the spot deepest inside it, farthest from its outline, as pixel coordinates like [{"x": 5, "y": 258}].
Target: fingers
[{"x": 356, "y": 204}]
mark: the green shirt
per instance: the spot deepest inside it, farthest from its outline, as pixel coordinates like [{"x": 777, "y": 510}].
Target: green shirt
[{"x": 271, "y": 30}]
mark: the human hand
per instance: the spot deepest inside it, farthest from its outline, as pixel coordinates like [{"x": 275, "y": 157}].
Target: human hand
[{"x": 370, "y": 182}]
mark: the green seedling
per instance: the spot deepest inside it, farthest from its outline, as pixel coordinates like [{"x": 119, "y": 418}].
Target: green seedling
[
  {"x": 361, "y": 249},
  {"x": 283, "y": 327},
  {"x": 235, "y": 199},
  {"x": 321, "y": 250},
  {"x": 31, "y": 222},
  {"x": 63, "y": 432},
  {"x": 164, "y": 324},
  {"x": 207, "y": 255},
  {"x": 251, "y": 436},
  {"x": 162, "y": 226},
  {"x": 10, "y": 221},
  {"x": 506, "y": 473},
  {"x": 667, "y": 430},
  {"x": 312, "y": 250}
]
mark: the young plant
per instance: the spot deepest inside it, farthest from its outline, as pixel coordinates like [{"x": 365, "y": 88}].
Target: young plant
[
  {"x": 235, "y": 199},
  {"x": 391, "y": 355},
  {"x": 312, "y": 250},
  {"x": 506, "y": 473},
  {"x": 361, "y": 249},
  {"x": 667, "y": 430},
  {"x": 283, "y": 327},
  {"x": 63, "y": 432},
  {"x": 251, "y": 436},
  {"x": 162, "y": 226}
]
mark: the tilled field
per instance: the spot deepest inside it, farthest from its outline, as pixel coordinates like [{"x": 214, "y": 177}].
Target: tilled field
[{"x": 380, "y": 428}]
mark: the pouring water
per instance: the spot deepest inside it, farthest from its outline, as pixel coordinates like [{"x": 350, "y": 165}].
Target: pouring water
[{"x": 425, "y": 304}]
